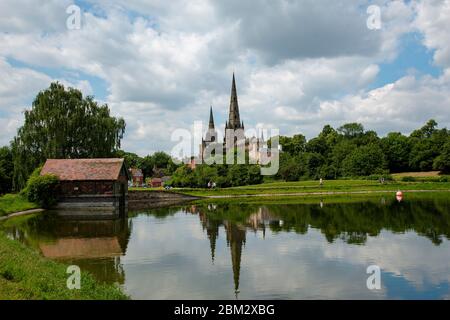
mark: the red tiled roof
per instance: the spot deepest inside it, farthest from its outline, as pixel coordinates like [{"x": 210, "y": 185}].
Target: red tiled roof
[{"x": 83, "y": 169}]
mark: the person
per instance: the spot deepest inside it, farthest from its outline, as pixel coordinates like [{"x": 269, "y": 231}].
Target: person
[
  {"x": 213, "y": 185},
  {"x": 321, "y": 182},
  {"x": 209, "y": 184}
]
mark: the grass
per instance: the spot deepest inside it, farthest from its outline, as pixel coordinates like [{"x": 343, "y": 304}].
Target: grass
[
  {"x": 10, "y": 203},
  {"x": 24, "y": 274},
  {"x": 311, "y": 187},
  {"x": 315, "y": 199},
  {"x": 427, "y": 174}
]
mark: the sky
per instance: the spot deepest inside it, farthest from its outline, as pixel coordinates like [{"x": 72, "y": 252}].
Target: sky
[{"x": 299, "y": 65}]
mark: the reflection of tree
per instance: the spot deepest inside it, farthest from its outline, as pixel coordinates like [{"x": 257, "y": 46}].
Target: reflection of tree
[{"x": 352, "y": 222}]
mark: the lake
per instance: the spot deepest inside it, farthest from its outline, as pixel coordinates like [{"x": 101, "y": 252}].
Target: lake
[{"x": 319, "y": 250}]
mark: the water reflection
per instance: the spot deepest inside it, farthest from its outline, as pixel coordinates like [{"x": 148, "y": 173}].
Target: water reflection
[
  {"x": 94, "y": 245},
  {"x": 316, "y": 250}
]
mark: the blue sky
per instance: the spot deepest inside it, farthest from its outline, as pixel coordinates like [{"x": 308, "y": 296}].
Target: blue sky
[{"x": 299, "y": 65}]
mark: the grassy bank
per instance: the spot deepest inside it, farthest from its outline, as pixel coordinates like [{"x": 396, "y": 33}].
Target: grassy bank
[
  {"x": 24, "y": 274},
  {"x": 327, "y": 199},
  {"x": 311, "y": 187},
  {"x": 10, "y": 203}
]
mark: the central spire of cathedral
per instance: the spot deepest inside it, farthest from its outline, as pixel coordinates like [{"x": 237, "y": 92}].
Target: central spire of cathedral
[
  {"x": 211, "y": 119},
  {"x": 234, "y": 119}
]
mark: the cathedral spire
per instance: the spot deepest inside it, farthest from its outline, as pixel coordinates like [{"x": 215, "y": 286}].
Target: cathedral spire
[
  {"x": 211, "y": 119},
  {"x": 234, "y": 121}
]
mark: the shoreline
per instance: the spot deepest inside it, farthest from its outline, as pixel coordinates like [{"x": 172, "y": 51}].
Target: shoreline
[{"x": 325, "y": 193}]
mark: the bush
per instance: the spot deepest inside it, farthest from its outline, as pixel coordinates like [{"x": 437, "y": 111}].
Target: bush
[
  {"x": 376, "y": 177},
  {"x": 444, "y": 179},
  {"x": 42, "y": 190},
  {"x": 408, "y": 179}
]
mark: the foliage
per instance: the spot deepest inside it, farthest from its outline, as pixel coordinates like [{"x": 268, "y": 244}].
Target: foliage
[
  {"x": 364, "y": 161},
  {"x": 10, "y": 203},
  {"x": 63, "y": 124},
  {"x": 42, "y": 190},
  {"x": 222, "y": 175},
  {"x": 350, "y": 151},
  {"x": 442, "y": 162},
  {"x": 6, "y": 170}
]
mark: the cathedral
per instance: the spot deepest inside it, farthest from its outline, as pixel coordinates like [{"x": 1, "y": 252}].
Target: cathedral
[{"x": 234, "y": 133}]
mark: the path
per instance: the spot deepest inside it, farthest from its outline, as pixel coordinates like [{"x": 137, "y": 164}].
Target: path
[{"x": 21, "y": 213}]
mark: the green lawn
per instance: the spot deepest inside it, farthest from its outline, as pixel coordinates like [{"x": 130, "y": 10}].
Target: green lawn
[
  {"x": 274, "y": 188},
  {"x": 24, "y": 274},
  {"x": 10, "y": 203}
]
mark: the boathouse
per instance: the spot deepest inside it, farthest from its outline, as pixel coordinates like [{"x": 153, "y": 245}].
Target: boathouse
[{"x": 90, "y": 187}]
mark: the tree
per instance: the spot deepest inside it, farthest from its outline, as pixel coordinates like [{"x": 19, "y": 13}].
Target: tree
[
  {"x": 351, "y": 130},
  {"x": 426, "y": 131},
  {"x": 64, "y": 124},
  {"x": 291, "y": 168},
  {"x": 159, "y": 160},
  {"x": 364, "y": 161},
  {"x": 442, "y": 162},
  {"x": 396, "y": 148},
  {"x": 6, "y": 170},
  {"x": 132, "y": 160},
  {"x": 293, "y": 145}
]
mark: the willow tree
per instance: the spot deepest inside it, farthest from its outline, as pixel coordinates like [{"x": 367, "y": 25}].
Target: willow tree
[{"x": 64, "y": 124}]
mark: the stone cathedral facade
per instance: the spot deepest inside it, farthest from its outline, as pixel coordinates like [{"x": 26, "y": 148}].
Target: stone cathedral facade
[{"x": 234, "y": 133}]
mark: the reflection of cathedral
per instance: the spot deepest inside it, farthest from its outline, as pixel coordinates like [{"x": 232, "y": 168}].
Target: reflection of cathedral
[
  {"x": 235, "y": 233},
  {"x": 234, "y": 133},
  {"x": 235, "y": 240}
]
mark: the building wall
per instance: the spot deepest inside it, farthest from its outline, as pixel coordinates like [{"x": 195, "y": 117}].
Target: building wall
[{"x": 93, "y": 198}]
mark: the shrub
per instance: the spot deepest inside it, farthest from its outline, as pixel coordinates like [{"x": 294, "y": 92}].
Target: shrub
[
  {"x": 375, "y": 177},
  {"x": 444, "y": 179},
  {"x": 409, "y": 179},
  {"x": 42, "y": 190}
]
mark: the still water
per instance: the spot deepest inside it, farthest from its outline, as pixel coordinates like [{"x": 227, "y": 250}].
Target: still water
[{"x": 254, "y": 251}]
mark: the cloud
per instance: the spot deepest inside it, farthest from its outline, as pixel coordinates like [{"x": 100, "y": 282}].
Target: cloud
[
  {"x": 18, "y": 87},
  {"x": 433, "y": 20},
  {"x": 299, "y": 65}
]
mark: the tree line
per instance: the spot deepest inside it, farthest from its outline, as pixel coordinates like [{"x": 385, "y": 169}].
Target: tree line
[
  {"x": 62, "y": 123},
  {"x": 351, "y": 151}
]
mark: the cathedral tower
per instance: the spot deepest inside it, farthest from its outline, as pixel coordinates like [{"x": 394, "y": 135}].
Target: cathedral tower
[{"x": 234, "y": 119}]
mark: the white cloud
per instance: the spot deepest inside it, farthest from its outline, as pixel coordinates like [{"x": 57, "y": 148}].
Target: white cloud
[
  {"x": 433, "y": 20},
  {"x": 298, "y": 67}
]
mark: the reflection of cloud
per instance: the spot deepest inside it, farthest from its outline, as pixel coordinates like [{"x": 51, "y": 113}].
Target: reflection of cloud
[
  {"x": 413, "y": 257},
  {"x": 170, "y": 258}
]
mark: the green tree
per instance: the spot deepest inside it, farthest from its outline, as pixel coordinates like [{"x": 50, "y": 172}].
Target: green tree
[
  {"x": 6, "y": 170},
  {"x": 293, "y": 145},
  {"x": 396, "y": 148},
  {"x": 442, "y": 162},
  {"x": 64, "y": 124},
  {"x": 132, "y": 160},
  {"x": 364, "y": 161},
  {"x": 351, "y": 130}
]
